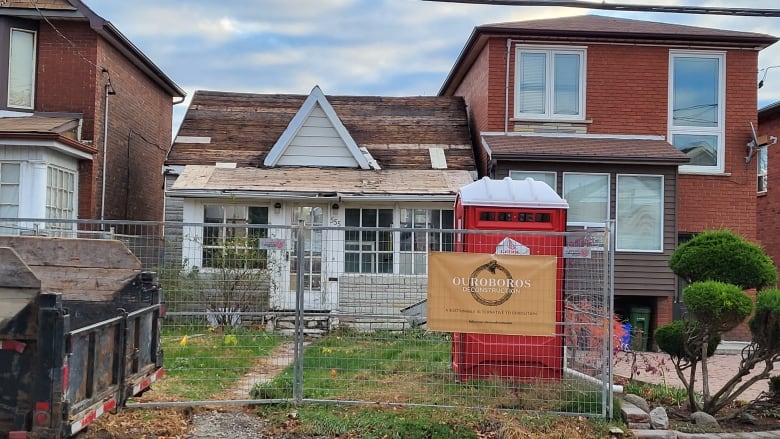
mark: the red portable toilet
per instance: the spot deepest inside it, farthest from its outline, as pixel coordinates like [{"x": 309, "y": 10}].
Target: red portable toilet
[{"x": 508, "y": 205}]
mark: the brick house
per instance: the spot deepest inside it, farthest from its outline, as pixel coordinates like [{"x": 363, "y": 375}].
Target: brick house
[
  {"x": 767, "y": 161},
  {"x": 268, "y": 161},
  {"x": 78, "y": 98},
  {"x": 638, "y": 122}
]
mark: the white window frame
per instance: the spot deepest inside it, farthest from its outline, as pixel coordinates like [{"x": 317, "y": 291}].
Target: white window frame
[
  {"x": 588, "y": 224},
  {"x": 617, "y": 214},
  {"x": 718, "y": 131},
  {"x": 416, "y": 245},
  {"x": 370, "y": 247},
  {"x": 762, "y": 164},
  {"x": 550, "y": 51},
  {"x": 61, "y": 199},
  {"x": 4, "y": 182},
  {"x": 223, "y": 226},
  {"x": 33, "y": 67},
  {"x": 522, "y": 175}
]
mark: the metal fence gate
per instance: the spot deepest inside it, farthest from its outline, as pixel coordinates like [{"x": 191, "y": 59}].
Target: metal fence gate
[{"x": 309, "y": 313}]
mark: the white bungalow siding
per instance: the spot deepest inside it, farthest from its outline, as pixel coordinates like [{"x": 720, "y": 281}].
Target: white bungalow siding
[{"x": 318, "y": 143}]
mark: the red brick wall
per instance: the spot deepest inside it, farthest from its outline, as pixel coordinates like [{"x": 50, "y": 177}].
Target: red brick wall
[
  {"x": 768, "y": 204},
  {"x": 70, "y": 80},
  {"x": 627, "y": 93},
  {"x": 475, "y": 91}
]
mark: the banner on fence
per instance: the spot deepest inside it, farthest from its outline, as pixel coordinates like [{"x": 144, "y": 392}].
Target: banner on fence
[{"x": 491, "y": 294}]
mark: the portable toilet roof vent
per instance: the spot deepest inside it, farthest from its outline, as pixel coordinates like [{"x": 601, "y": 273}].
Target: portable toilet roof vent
[{"x": 511, "y": 193}]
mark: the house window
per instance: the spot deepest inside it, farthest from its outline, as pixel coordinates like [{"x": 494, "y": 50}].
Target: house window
[
  {"x": 368, "y": 251},
  {"x": 60, "y": 196},
  {"x": 233, "y": 242},
  {"x": 547, "y": 177},
  {"x": 550, "y": 83},
  {"x": 639, "y": 213},
  {"x": 414, "y": 245},
  {"x": 21, "y": 69},
  {"x": 588, "y": 198},
  {"x": 763, "y": 160},
  {"x": 696, "y": 108},
  {"x": 9, "y": 190}
]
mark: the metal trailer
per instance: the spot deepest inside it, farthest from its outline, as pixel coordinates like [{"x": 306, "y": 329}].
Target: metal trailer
[{"x": 79, "y": 333}]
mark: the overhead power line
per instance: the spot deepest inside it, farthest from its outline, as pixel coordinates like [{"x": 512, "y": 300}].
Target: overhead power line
[{"x": 745, "y": 12}]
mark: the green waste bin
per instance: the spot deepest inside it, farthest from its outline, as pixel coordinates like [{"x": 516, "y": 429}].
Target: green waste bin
[{"x": 639, "y": 317}]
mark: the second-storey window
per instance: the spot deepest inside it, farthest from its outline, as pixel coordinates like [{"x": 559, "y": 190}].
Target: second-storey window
[
  {"x": 549, "y": 82},
  {"x": 696, "y": 108},
  {"x": 763, "y": 161},
  {"x": 547, "y": 177},
  {"x": 21, "y": 69}
]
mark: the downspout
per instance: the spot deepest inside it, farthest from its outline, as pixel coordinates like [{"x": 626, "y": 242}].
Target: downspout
[
  {"x": 506, "y": 87},
  {"x": 107, "y": 90}
]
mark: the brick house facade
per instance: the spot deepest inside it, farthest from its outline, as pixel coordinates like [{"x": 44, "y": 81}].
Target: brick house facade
[
  {"x": 768, "y": 203},
  {"x": 629, "y": 106},
  {"x": 81, "y": 69}
]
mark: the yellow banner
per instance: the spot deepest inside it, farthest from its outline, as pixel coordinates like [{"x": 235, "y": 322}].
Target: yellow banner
[{"x": 491, "y": 294}]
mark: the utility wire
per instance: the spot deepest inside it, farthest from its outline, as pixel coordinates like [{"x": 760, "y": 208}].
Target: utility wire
[
  {"x": 73, "y": 45},
  {"x": 747, "y": 12}
]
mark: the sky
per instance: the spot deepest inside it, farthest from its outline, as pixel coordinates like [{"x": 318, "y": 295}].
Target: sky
[{"x": 355, "y": 47}]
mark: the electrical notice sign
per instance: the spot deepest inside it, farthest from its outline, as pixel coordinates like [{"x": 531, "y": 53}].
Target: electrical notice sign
[{"x": 491, "y": 294}]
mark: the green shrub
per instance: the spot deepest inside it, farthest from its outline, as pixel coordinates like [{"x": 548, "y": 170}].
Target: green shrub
[
  {"x": 765, "y": 324},
  {"x": 671, "y": 339},
  {"x": 724, "y": 256},
  {"x": 774, "y": 384},
  {"x": 719, "y": 306}
]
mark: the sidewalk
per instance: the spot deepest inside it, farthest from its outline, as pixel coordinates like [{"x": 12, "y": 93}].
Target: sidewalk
[{"x": 722, "y": 366}]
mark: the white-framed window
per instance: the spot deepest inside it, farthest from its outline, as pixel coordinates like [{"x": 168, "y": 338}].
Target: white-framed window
[
  {"x": 368, "y": 251},
  {"x": 550, "y": 82},
  {"x": 639, "y": 213},
  {"x": 763, "y": 168},
  {"x": 21, "y": 69},
  {"x": 9, "y": 189},
  {"x": 588, "y": 198},
  {"x": 414, "y": 245},
  {"x": 547, "y": 177},
  {"x": 60, "y": 196},
  {"x": 697, "y": 108},
  {"x": 233, "y": 240}
]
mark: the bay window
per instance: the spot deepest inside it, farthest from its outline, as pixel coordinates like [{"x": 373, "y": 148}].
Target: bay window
[
  {"x": 549, "y": 82},
  {"x": 588, "y": 198},
  {"x": 696, "y": 108},
  {"x": 639, "y": 213},
  {"x": 9, "y": 190},
  {"x": 547, "y": 177}
]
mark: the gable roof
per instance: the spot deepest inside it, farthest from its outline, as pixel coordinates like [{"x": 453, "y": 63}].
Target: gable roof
[
  {"x": 399, "y": 132},
  {"x": 315, "y": 101},
  {"x": 77, "y": 10},
  {"x": 600, "y": 29},
  {"x": 583, "y": 149}
]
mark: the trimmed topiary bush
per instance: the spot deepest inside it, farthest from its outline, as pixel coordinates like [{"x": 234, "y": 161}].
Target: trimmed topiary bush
[
  {"x": 719, "y": 305},
  {"x": 724, "y": 256},
  {"x": 671, "y": 339},
  {"x": 765, "y": 324}
]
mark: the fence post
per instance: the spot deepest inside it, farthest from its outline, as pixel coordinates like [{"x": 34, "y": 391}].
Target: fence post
[
  {"x": 609, "y": 280},
  {"x": 299, "y": 303}
]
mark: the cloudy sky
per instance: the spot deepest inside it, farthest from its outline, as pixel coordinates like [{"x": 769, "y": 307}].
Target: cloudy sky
[{"x": 352, "y": 47}]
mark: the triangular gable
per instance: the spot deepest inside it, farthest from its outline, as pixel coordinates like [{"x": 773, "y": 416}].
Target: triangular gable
[{"x": 316, "y": 137}]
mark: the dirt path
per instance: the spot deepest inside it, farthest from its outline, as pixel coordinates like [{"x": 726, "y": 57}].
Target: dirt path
[{"x": 264, "y": 370}]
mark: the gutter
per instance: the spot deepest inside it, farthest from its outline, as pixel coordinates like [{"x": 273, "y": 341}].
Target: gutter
[{"x": 305, "y": 196}]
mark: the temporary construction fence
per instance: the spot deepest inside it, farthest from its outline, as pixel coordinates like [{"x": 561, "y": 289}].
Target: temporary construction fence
[{"x": 301, "y": 314}]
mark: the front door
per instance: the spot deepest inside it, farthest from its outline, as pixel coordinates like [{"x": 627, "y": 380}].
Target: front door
[{"x": 315, "y": 294}]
